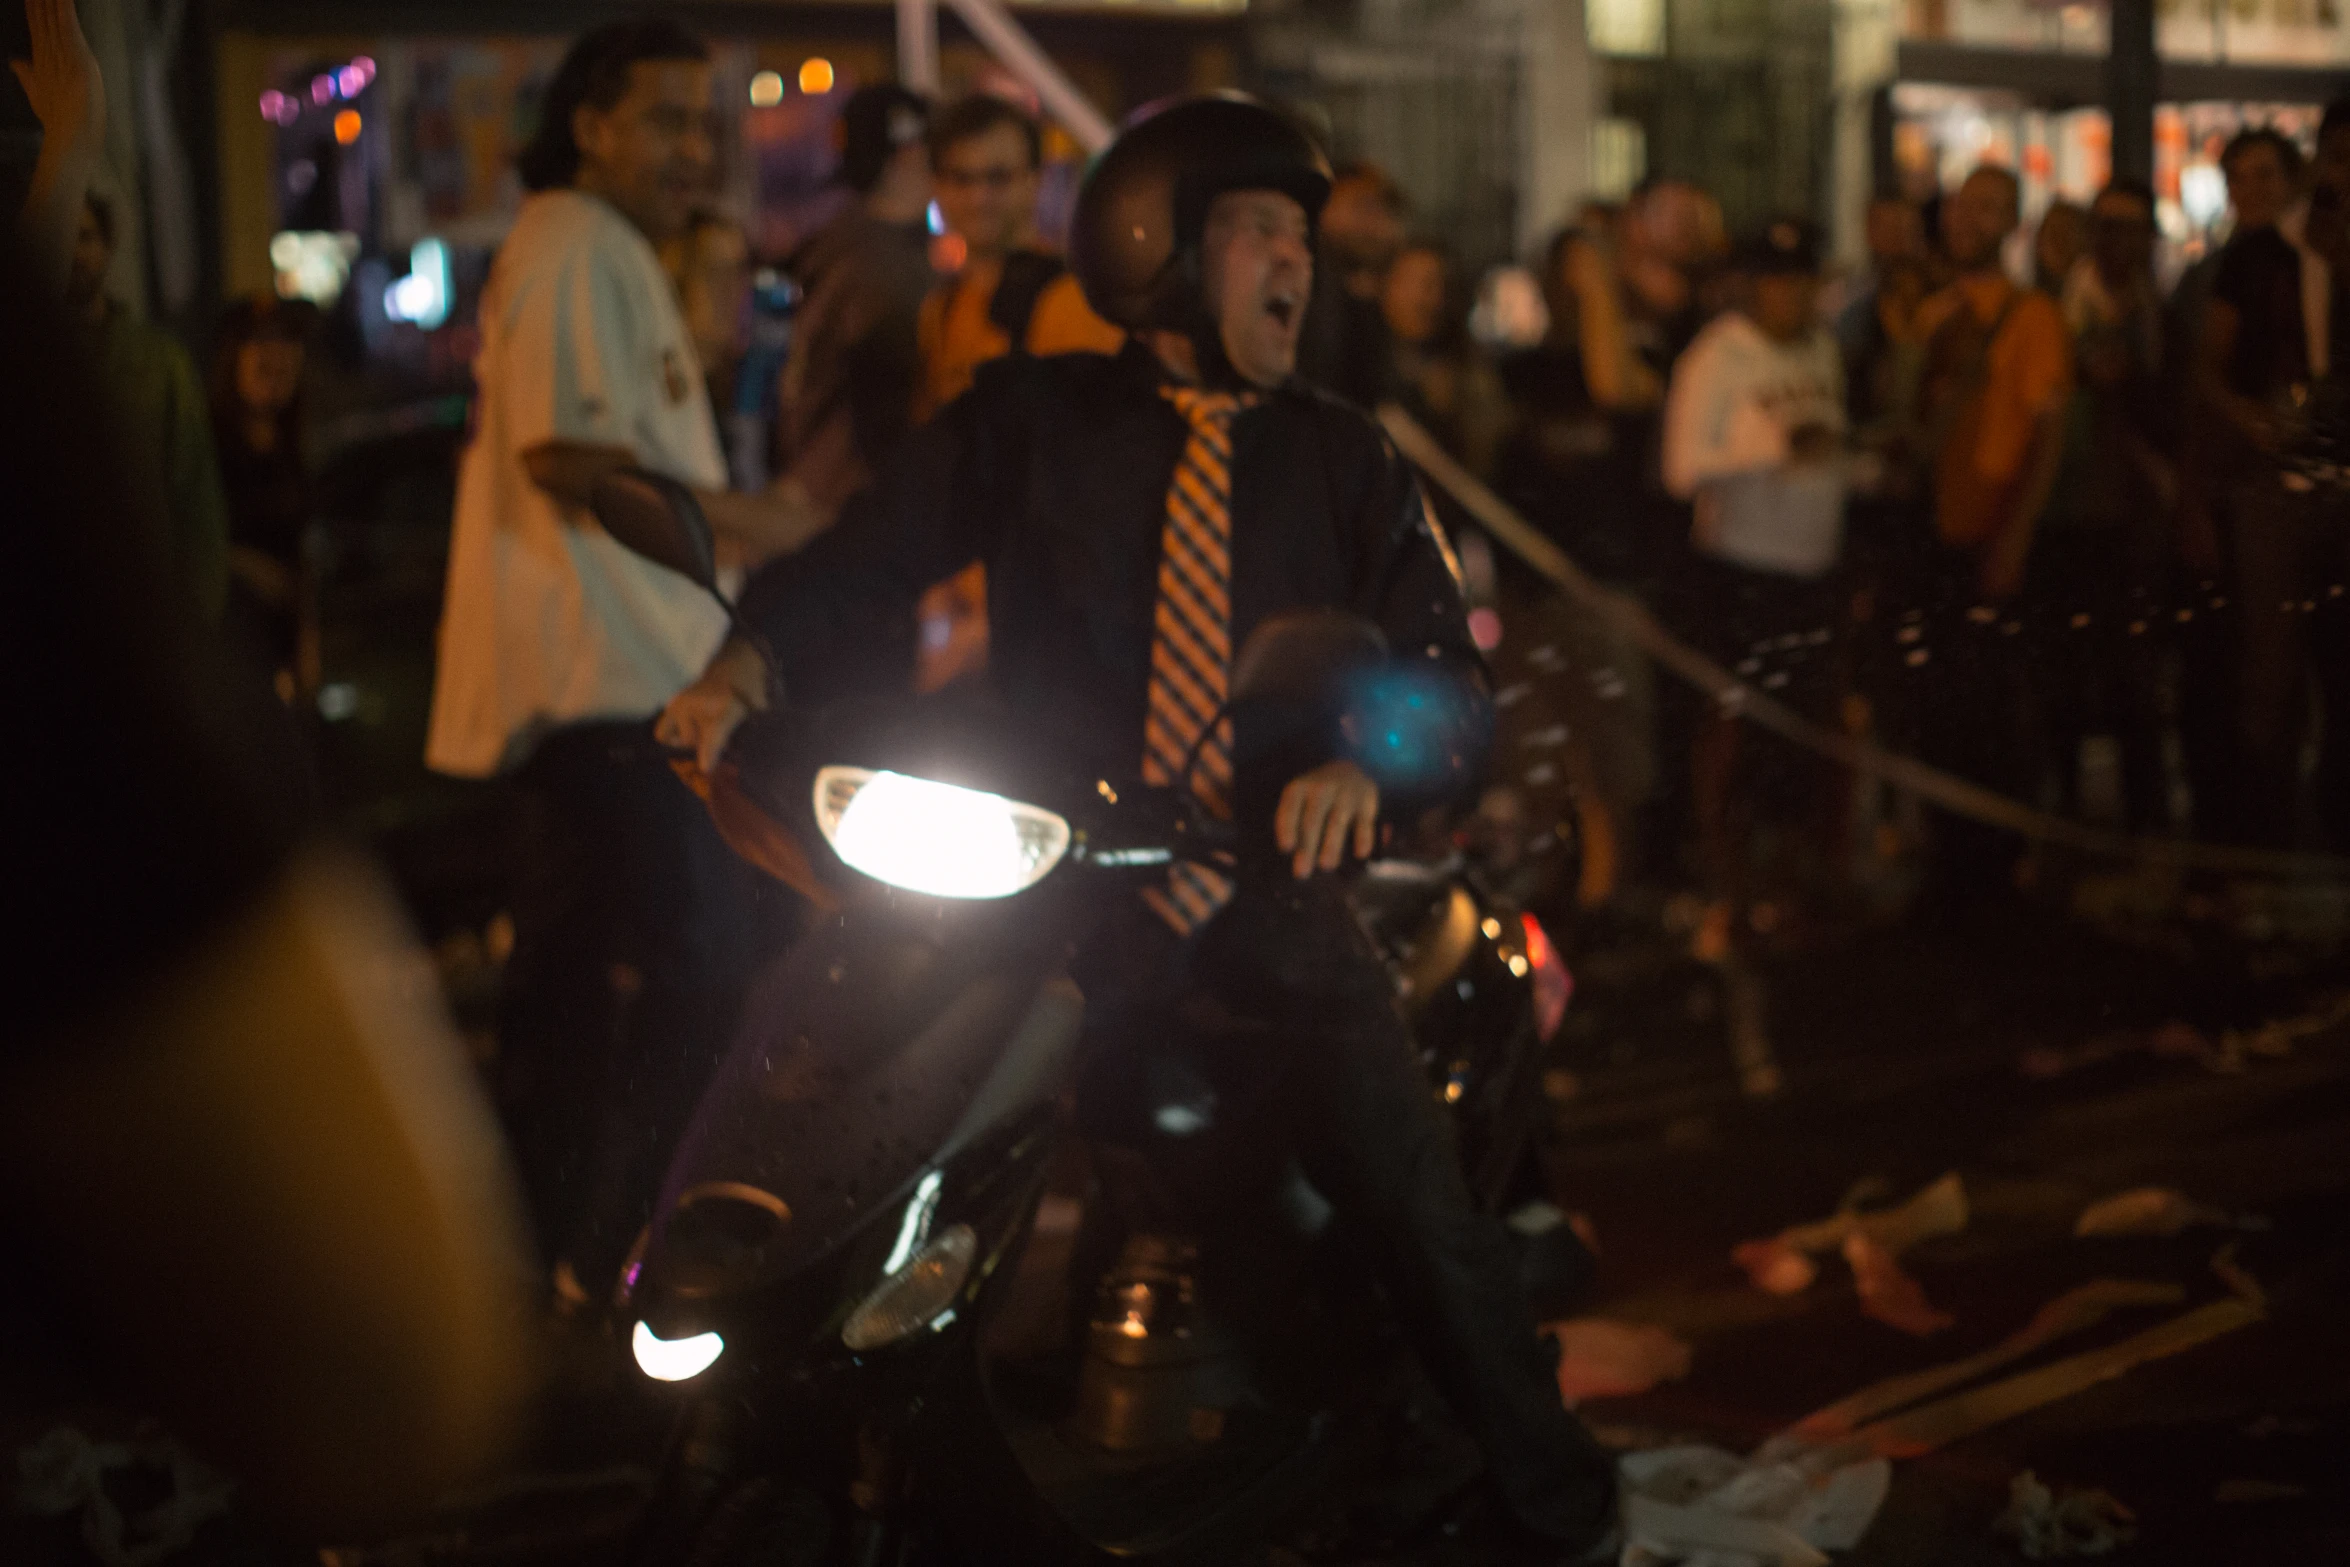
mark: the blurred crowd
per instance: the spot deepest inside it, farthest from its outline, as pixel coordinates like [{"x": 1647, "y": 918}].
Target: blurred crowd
[
  {"x": 2088, "y": 521},
  {"x": 1995, "y": 497}
]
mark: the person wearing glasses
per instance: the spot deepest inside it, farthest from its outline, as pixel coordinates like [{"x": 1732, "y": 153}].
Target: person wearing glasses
[{"x": 1012, "y": 294}]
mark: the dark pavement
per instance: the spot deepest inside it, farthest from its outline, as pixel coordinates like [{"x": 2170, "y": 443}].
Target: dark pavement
[
  {"x": 2023, "y": 1049},
  {"x": 2020, "y": 1050},
  {"x": 1904, "y": 1055}
]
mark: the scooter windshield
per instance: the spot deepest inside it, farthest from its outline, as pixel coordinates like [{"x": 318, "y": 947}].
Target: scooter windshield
[{"x": 887, "y": 1040}]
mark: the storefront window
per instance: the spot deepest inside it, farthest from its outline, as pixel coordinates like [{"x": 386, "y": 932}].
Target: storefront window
[
  {"x": 1633, "y": 28},
  {"x": 1940, "y": 133},
  {"x": 2247, "y": 32}
]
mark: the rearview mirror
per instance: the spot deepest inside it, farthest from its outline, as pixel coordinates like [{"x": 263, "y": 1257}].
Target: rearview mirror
[
  {"x": 659, "y": 519},
  {"x": 1305, "y": 655}
]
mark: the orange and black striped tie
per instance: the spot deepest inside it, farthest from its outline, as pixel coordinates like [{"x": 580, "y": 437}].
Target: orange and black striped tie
[{"x": 1187, "y": 739}]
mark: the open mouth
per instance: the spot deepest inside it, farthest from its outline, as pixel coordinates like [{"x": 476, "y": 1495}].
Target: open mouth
[{"x": 1283, "y": 308}]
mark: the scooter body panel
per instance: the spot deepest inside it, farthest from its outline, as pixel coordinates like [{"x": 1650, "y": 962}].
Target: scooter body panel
[{"x": 891, "y": 1042}]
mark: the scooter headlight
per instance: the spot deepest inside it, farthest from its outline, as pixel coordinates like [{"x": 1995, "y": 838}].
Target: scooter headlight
[
  {"x": 674, "y": 1359},
  {"x": 936, "y": 838},
  {"x": 914, "y": 1295}
]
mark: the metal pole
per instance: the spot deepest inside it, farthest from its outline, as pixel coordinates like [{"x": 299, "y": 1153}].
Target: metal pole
[
  {"x": 1558, "y": 101},
  {"x": 1009, "y": 42},
  {"x": 918, "y": 45},
  {"x": 2132, "y": 81}
]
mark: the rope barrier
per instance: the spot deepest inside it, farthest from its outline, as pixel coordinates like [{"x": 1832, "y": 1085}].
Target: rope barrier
[{"x": 1631, "y": 620}]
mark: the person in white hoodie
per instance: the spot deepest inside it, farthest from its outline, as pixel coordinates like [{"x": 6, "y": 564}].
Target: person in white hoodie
[{"x": 1754, "y": 432}]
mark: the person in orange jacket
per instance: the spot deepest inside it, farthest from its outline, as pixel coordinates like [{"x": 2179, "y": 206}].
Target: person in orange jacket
[{"x": 1011, "y": 295}]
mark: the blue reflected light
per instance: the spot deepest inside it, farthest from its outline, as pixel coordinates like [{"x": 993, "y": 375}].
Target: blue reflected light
[{"x": 1412, "y": 724}]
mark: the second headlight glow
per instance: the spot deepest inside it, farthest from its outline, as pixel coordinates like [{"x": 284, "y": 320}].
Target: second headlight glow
[{"x": 675, "y": 1359}]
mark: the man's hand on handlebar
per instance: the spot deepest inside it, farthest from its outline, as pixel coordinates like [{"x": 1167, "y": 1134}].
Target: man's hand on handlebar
[
  {"x": 1320, "y": 811},
  {"x": 704, "y": 716}
]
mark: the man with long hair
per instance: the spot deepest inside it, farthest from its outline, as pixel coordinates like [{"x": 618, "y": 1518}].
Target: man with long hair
[{"x": 632, "y": 927}]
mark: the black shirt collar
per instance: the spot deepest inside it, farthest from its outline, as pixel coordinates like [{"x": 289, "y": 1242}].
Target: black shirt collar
[{"x": 1138, "y": 364}]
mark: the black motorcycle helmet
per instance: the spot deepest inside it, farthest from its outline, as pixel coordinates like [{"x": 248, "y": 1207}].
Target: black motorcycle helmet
[{"x": 1134, "y": 243}]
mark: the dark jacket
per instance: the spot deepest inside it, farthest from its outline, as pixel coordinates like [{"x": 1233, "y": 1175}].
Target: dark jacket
[
  {"x": 848, "y": 389},
  {"x": 1054, "y": 473}
]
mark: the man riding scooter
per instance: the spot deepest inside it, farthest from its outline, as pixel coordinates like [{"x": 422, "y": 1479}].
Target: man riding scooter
[{"x": 1139, "y": 515}]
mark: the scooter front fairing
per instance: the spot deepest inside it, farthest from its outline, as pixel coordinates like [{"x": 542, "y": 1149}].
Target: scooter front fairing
[{"x": 894, "y": 1038}]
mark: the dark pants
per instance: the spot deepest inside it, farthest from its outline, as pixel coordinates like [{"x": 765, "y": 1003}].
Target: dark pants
[
  {"x": 635, "y": 930},
  {"x": 1783, "y": 636},
  {"x": 2329, "y": 636},
  {"x": 2094, "y": 639},
  {"x": 2210, "y": 658},
  {"x": 1974, "y": 720},
  {"x": 2291, "y": 549},
  {"x": 1345, "y": 1074}
]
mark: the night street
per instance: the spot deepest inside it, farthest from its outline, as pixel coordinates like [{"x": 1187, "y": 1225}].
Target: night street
[
  {"x": 1905, "y": 1057},
  {"x": 2020, "y": 1055},
  {"x": 1175, "y": 783}
]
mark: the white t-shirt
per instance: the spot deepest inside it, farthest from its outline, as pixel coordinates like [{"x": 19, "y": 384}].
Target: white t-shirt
[
  {"x": 1737, "y": 398},
  {"x": 548, "y": 621}
]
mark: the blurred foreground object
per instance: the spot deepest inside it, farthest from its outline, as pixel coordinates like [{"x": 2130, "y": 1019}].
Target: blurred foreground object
[
  {"x": 248, "y": 1183},
  {"x": 156, "y": 411},
  {"x": 278, "y": 1205},
  {"x": 1603, "y": 1359},
  {"x": 66, "y": 1472},
  {"x": 2054, "y": 1524},
  {"x": 2147, "y": 1210},
  {"x": 1781, "y": 1264},
  {"x": 61, "y": 81}
]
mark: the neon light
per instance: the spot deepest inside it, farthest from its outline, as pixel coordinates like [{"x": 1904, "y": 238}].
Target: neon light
[{"x": 422, "y": 297}]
